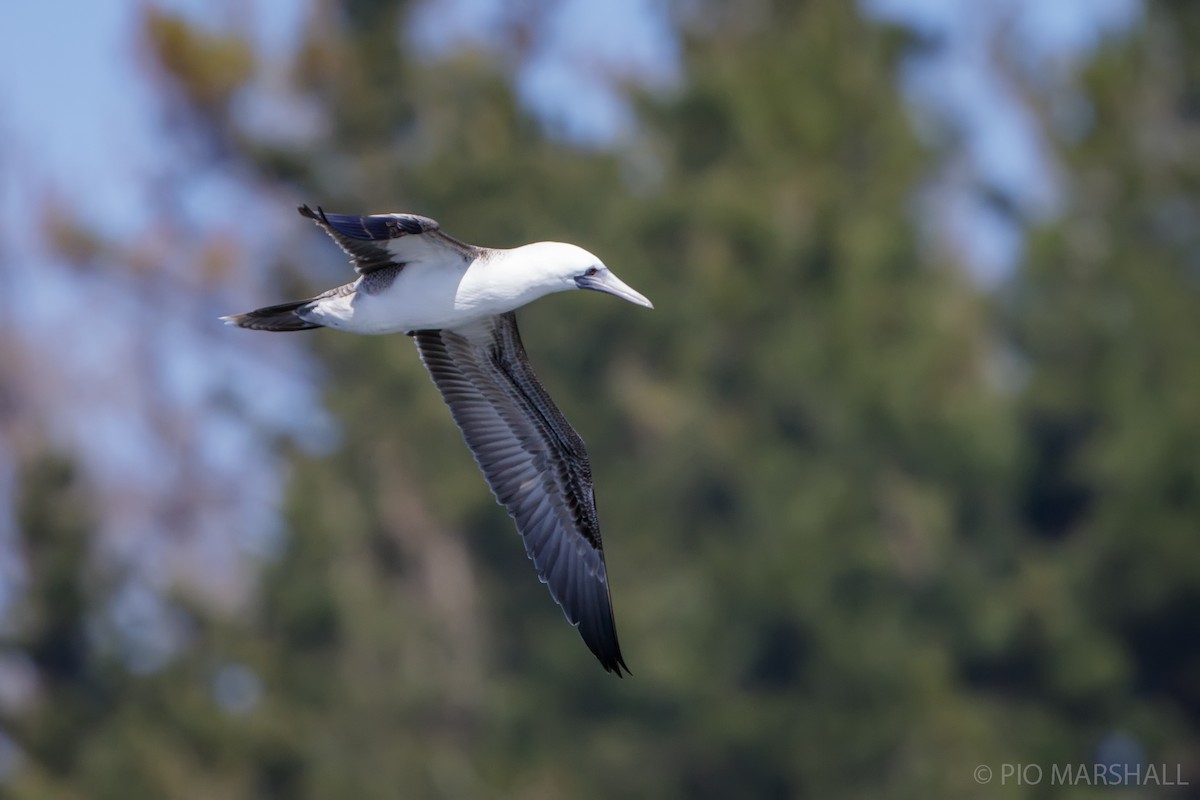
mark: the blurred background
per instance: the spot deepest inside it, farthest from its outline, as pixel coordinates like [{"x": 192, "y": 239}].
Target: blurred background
[{"x": 900, "y": 478}]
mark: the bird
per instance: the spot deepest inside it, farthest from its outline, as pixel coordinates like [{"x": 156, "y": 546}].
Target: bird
[{"x": 458, "y": 301}]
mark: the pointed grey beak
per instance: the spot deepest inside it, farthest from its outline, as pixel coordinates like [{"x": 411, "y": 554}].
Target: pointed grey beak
[{"x": 606, "y": 281}]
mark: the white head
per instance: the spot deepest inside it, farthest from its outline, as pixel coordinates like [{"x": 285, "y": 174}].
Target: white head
[{"x": 560, "y": 267}]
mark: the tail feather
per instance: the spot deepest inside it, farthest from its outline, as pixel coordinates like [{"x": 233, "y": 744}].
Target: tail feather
[{"x": 282, "y": 317}]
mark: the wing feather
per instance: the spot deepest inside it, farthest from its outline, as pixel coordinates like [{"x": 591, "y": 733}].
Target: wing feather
[
  {"x": 379, "y": 241},
  {"x": 536, "y": 466}
]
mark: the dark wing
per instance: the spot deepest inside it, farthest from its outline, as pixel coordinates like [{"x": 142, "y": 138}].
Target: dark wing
[
  {"x": 535, "y": 464},
  {"x": 390, "y": 240}
]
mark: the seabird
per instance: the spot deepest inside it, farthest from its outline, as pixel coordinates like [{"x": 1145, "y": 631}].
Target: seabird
[{"x": 457, "y": 301}]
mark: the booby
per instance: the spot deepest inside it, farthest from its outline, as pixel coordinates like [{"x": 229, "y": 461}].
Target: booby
[{"x": 457, "y": 301}]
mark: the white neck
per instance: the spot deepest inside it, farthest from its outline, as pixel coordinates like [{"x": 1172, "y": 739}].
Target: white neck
[{"x": 511, "y": 278}]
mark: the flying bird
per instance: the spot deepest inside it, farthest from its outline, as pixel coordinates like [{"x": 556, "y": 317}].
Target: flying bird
[{"x": 457, "y": 301}]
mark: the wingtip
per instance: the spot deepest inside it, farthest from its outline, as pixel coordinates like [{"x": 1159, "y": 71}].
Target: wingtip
[
  {"x": 608, "y": 653},
  {"x": 603, "y": 644},
  {"x": 617, "y": 665},
  {"x": 317, "y": 216}
]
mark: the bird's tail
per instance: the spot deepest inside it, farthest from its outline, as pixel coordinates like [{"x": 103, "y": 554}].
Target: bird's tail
[{"x": 282, "y": 317}]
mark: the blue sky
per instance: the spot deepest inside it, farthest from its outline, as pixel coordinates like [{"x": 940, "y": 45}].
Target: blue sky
[
  {"x": 138, "y": 393},
  {"x": 571, "y": 80},
  {"x": 82, "y": 119},
  {"x": 88, "y": 123},
  {"x": 961, "y": 87}
]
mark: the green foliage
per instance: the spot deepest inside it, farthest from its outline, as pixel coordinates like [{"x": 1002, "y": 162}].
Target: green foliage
[
  {"x": 207, "y": 67},
  {"x": 868, "y": 527}
]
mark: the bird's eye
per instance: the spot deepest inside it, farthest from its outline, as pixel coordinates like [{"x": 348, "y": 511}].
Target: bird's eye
[{"x": 590, "y": 272}]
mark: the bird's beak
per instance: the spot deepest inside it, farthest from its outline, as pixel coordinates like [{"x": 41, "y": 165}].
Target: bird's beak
[{"x": 606, "y": 281}]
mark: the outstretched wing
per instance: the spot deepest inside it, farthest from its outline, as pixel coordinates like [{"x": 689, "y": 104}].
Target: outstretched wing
[
  {"x": 535, "y": 464},
  {"x": 390, "y": 240}
]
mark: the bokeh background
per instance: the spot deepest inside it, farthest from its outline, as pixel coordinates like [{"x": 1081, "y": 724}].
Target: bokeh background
[{"x": 900, "y": 478}]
